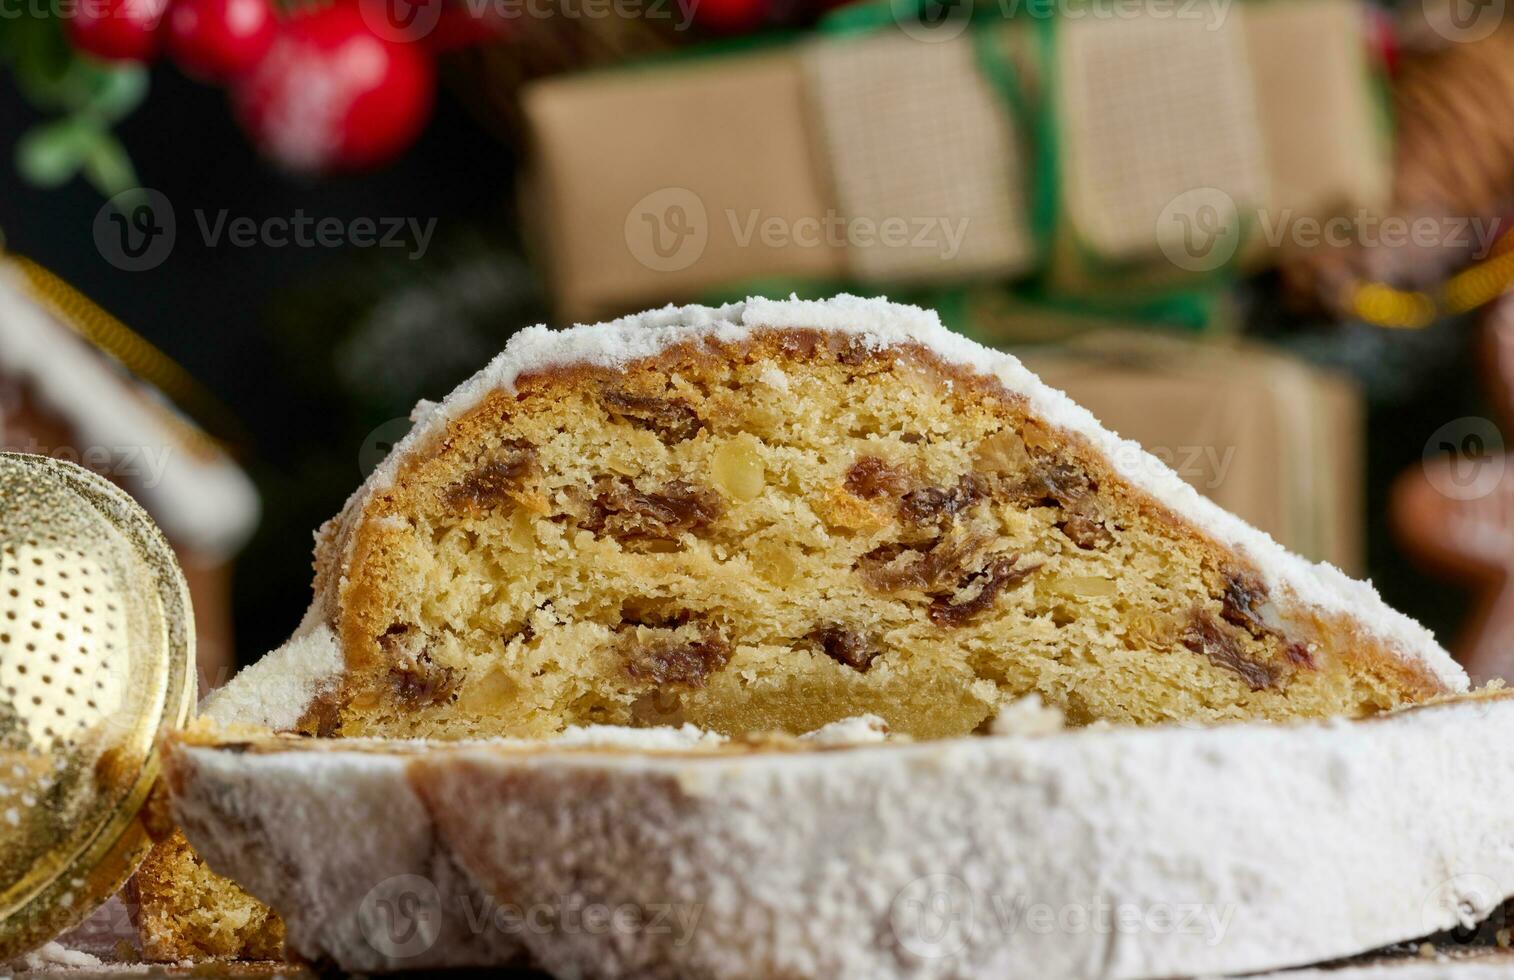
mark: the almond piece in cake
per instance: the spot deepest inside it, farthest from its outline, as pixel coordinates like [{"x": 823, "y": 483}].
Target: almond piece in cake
[{"x": 776, "y": 515}]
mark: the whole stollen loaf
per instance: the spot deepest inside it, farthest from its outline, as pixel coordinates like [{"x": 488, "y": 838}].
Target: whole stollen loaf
[
  {"x": 1109, "y": 853},
  {"x": 769, "y": 517}
]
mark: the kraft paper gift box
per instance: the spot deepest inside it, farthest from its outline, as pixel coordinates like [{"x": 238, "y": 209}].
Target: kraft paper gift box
[
  {"x": 661, "y": 184},
  {"x": 914, "y": 132},
  {"x": 870, "y": 160},
  {"x": 1098, "y": 154},
  {"x": 1268, "y": 437},
  {"x": 1187, "y": 145}
]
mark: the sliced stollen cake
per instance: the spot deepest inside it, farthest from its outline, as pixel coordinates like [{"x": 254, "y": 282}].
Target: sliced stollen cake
[
  {"x": 1117, "y": 853},
  {"x": 777, "y": 514},
  {"x": 771, "y": 516}
]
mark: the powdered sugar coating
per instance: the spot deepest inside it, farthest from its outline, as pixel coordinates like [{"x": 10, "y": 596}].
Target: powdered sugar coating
[
  {"x": 1291, "y": 844},
  {"x": 879, "y": 325},
  {"x": 276, "y": 691}
]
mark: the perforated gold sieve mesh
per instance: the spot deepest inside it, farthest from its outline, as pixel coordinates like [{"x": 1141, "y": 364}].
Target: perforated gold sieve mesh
[{"x": 96, "y": 654}]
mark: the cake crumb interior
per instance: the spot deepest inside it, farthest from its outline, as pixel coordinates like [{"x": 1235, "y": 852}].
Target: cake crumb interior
[{"x": 801, "y": 533}]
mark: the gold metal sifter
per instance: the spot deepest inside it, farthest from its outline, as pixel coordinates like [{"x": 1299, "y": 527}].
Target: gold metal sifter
[{"x": 96, "y": 662}]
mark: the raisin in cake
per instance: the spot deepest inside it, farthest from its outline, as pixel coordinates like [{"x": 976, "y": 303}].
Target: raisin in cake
[{"x": 774, "y": 515}]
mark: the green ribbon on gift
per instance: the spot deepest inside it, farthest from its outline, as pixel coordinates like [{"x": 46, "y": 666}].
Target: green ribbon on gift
[{"x": 1036, "y": 119}]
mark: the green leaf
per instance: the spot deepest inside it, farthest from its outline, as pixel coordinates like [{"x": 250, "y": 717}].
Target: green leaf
[
  {"x": 115, "y": 92},
  {"x": 44, "y": 62},
  {"x": 53, "y": 76},
  {"x": 108, "y": 167},
  {"x": 49, "y": 154},
  {"x": 91, "y": 94}
]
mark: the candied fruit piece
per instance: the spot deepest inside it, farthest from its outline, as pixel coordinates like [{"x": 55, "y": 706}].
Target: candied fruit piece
[
  {"x": 673, "y": 419},
  {"x": 871, "y": 477},
  {"x": 979, "y": 590},
  {"x": 738, "y": 468},
  {"x": 681, "y": 657},
  {"x": 1205, "y": 636},
  {"x": 846, "y": 646}
]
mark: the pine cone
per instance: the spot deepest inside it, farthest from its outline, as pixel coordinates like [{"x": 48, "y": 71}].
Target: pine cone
[{"x": 1455, "y": 148}]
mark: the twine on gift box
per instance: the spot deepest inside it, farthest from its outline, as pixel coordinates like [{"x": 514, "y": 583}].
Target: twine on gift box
[
  {"x": 1400, "y": 309},
  {"x": 1452, "y": 156}
]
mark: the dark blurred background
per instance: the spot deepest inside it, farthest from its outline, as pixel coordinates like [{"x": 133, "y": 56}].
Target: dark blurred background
[{"x": 261, "y": 327}]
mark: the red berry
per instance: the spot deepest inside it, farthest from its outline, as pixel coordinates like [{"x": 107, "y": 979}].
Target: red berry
[
  {"x": 218, "y": 40},
  {"x": 460, "y": 27},
  {"x": 332, "y": 95},
  {"x": 727, "y": 16},
  {"x": 116, "y": 30},
  {"x": 1382, "y": 39}
]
